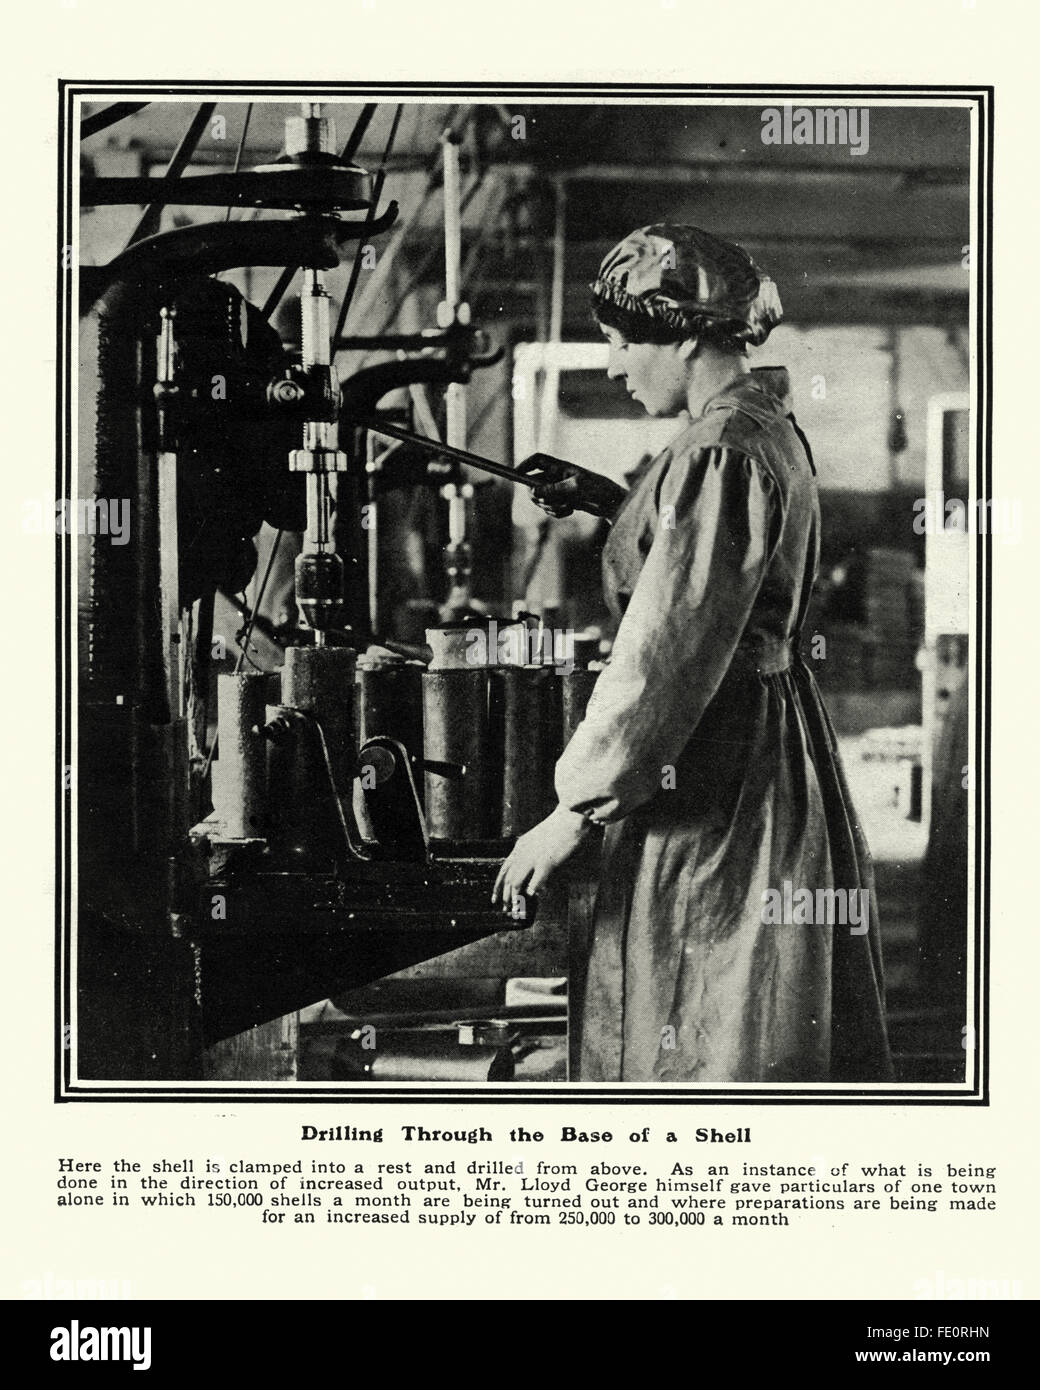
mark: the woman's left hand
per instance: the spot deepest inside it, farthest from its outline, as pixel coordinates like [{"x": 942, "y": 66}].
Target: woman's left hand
[{"x": 538, "y": 854}]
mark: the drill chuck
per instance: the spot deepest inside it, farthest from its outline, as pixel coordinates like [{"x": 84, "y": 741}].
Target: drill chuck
[{"x": 319, "y": 588}]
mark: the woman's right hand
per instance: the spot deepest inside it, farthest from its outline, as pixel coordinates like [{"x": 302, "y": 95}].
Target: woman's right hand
[{"x": 564, "y": 488}]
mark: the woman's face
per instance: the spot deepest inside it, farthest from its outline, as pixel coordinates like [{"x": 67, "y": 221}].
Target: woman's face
[{"x": 657, "y": 375}]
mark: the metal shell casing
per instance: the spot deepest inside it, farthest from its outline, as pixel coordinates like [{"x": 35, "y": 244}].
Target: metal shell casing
[{"x": 240, "y": 769}]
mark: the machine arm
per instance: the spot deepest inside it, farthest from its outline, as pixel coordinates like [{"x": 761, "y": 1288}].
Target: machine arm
[{"x": 538, "y": 472}]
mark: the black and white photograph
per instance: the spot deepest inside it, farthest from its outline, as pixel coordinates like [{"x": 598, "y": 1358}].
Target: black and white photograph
[{"x": 522, "y": 609}]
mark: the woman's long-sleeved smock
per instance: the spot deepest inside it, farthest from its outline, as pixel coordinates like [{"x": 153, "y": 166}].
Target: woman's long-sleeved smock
[{"x": 735, "y": 934}]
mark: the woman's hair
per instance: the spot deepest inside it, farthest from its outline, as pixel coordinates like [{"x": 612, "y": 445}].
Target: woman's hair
[{"x": 636, "y": 327}]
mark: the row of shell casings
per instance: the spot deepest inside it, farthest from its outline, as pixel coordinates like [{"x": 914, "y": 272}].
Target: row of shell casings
[
  {"x": 501, "y": 729},
  {"x": 489, "y": 737}
]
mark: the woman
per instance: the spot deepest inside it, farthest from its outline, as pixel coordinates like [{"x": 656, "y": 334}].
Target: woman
[{"x": 706, "y": 752}]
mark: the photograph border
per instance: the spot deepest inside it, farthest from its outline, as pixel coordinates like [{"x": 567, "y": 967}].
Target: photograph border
[{"x": 973, "y": 1092}]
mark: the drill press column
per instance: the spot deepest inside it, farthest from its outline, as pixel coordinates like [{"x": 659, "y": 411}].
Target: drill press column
[
  {"x": 319, "y": 570},
  {"x": 319, "y": 680}
]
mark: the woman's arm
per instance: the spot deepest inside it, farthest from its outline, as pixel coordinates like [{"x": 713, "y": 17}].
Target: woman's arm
[{"x": 719, "y": 520}]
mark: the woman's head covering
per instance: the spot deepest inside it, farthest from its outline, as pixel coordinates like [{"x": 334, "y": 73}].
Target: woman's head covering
[{"x": 693, "y": 281}]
